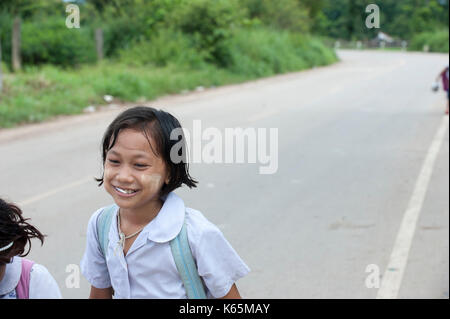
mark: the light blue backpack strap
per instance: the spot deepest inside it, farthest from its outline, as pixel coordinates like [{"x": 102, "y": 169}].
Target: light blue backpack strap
[
  {"x": 103, "y": 226},
  {"x": 186, "y": 266}
]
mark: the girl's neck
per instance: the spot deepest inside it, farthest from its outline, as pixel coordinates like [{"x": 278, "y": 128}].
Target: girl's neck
[
  {"x": 142, "y": 215},
  {"x": 2, "y": 272}
]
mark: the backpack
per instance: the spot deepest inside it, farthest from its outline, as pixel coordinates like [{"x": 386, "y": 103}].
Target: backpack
[
  {"x": 23, "y": 287},
  {"x": 179, "y": 246}
]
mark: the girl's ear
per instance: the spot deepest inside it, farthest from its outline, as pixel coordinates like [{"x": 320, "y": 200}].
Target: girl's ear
[{"x": 167, "y": 180}]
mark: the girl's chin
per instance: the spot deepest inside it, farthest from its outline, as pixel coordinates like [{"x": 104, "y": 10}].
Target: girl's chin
[
  {"x": 134, "y": 200},
  {"x": 123, "y": 201}
]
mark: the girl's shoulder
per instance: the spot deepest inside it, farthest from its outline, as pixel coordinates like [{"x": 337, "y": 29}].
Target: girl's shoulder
[
  {"x": 39, "y": 271},
  {"x": 12, "y": 276},
  {"x": 197, "y": 221},
  {"x": 42, "y": 283},
  {"x": 199, "y": 228}
]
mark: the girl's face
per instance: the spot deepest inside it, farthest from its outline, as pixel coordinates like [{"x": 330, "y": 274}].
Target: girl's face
[{"x": 134, "y": 175}]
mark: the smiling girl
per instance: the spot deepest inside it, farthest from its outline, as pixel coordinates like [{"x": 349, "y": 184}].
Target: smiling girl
[{"x": 137, "y": 260}]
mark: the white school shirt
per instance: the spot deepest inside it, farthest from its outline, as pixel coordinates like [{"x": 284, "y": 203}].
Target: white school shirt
[
  {"x": 148, "y": 270},
  {"x": 42, "y": 284}
]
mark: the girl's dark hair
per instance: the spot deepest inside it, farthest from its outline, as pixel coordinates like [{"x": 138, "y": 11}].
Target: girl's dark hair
[
  {"x": 159, "y": 125},
  {"x": 14, "y": 228}
]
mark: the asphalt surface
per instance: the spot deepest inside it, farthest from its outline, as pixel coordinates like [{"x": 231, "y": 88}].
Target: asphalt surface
[{"x": 353, "y": 139}]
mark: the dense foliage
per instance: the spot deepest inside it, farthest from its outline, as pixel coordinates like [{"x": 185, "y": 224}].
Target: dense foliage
[
  {"x": 198, "y": 31},
  {"x": 157, "y": 47},
  {"x": 345, "y": 19}
]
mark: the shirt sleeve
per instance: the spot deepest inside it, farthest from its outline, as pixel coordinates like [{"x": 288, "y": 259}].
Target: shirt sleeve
[
  {"x": 42, "y": 284},
  {"x": 218, "y": 263},
  {"x": 93, "y": 264}
]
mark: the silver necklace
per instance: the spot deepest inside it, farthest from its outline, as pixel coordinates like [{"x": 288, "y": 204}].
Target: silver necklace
[{"x": 122, "y": 236}]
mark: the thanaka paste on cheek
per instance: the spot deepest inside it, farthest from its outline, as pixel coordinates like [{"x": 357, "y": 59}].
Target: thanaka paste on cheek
[
  {"x": 152, "y": 180},
  {"x": 106, "y": 174}
]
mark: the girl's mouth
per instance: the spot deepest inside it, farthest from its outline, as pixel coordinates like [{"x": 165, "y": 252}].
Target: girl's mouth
[{"x": 125, "y": 192}]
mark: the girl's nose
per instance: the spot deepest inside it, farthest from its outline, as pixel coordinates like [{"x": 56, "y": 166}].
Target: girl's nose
[{"x": 124, "y": 175}]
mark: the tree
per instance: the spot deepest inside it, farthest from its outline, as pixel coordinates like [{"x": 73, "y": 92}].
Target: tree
[
  {"x": 23, "y": 9},
  {"x": 313, "y": 7},
  {"x": 402, "y": 19},
  {"x": 28, "y": 8},
  {"x": 1, "y": 75}
]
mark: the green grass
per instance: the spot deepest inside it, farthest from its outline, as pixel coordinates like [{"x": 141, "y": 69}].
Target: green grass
[{"x": 39, "y": 94}]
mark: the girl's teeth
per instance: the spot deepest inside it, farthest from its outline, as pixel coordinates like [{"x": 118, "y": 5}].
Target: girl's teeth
[{"x": 125, "y": 191}]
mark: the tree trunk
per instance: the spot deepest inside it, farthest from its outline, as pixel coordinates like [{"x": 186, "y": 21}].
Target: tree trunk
[
  {"x": 99, "y": 43},
  {"x": 16, "y": 60}
]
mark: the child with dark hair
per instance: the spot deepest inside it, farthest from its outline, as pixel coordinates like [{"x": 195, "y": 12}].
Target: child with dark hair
[
  {"x": 21, "y": 278},
  {"x": 134, "y": 246}
]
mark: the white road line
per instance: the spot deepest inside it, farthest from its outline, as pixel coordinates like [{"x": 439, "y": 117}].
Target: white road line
[
  {"x": 55, "y": 191},
  {"x": 393, "y": 275}
]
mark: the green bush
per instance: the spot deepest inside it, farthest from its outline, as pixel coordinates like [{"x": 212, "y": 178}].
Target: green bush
[
  {"x": 5, "y": 36},
  {"x": 164, "y": 48},
  {"x": 127, "y": 22},
  {"x": 281, "y": 14},
  {"x": 264, "y": 52},
  {"x": 50, "y": 41},
  {"x": 436, "y": 41},
  {"x": 208, "y": 24},
  {"x": 121, "y": 33},
  {"x": 312, "y": 50}
]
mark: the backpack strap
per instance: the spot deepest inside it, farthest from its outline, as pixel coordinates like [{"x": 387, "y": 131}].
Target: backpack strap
[
  {"x": 103, "y": 226},
  {"x": 23, "y": 287},
  {"x": 182, "y": 254}
]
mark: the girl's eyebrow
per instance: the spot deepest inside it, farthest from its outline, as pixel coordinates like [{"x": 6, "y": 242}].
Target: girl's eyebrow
[{"x": 112, "y": 152}]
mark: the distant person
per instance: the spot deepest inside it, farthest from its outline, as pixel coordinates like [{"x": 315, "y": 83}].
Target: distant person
[
  {"x": 21, "y": 278},
  {"x": 444, "y": 77},
  {"x": 134, "y": 246}
]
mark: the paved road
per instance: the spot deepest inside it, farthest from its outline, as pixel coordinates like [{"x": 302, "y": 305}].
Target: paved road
[{"x": 355, "y": 156}]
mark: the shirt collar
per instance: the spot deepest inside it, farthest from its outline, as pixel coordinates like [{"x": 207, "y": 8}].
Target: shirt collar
[
  {"x": 12, "y": 276},
  {"x": 169, "y": 221},
  {"x": 166, "y": 225}
]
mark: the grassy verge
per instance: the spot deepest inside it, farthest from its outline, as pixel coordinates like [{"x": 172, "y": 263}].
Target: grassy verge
[
  {"x": 437, "y": 41},
  {"x": 39, "y": 93}
]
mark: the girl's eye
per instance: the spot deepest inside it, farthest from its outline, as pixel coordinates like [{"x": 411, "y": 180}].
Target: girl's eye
[
  {"x": 113, "y": 161},
  {"x": 141, "y": 165}
]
